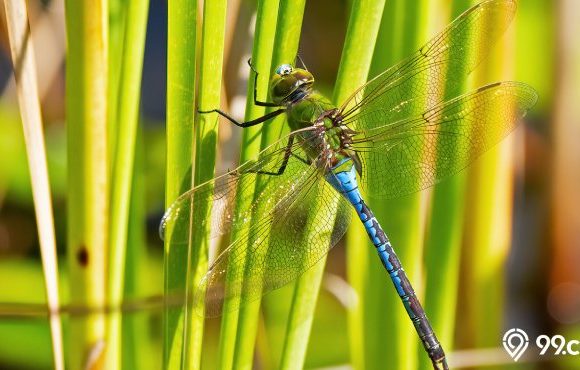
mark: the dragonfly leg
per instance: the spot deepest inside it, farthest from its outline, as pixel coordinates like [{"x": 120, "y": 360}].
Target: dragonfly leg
[
  {"x": 284, "y": 164},
  {"x": 256, "y": 101},
  {"x": 253, "y": 122}
]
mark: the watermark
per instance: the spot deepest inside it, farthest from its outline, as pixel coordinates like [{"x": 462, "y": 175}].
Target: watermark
[{"x": 516, "y": 342}]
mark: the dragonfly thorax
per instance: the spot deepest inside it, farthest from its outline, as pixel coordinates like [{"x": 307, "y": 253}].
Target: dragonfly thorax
[{"x": 328, "y": 141}]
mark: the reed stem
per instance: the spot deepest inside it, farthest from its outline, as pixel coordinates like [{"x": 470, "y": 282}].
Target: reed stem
[
  {"x": 24, "y": 64},
  {"x": 181, "y": 48}
]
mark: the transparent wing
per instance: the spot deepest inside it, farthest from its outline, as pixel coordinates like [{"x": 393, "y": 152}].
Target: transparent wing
[
  {"x": 187, "y": 215},
  {"x": 277, "y": 248},
  {"x": 418, "y": 83},
  {"x": 413, "y": 154}
]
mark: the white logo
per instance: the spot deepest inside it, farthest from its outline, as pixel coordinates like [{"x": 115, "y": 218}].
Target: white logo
[{"x": 515, "y": 342}]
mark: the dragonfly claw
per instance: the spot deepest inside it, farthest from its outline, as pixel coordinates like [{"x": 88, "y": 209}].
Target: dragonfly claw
[{"x": 252, "y": 66}]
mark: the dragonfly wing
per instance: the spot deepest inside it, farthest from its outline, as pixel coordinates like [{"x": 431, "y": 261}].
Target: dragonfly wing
[
  {"x": 282, "y": 245},
  {"x": 419, "y": 82},
  {"x": 187, "y": 215},
  {"x": 410, "y": 155}
]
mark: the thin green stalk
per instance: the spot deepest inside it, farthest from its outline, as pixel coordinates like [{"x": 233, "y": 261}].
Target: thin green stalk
[
  {"x": 289, "y": 25},
  {"x": 181, "y": 41},
  {"x": 206, "y": 137},
  {"x": 88, "y": 173},
  {"x": 353, "y": 72},
  {"x": 289, "y": 21},
  {"x": 138, "y": 345},
  {"x": 126, "y": 123},
  {"x": 265, "y": 32},
  {"x": 443, "y": 244},
  {"x": 380, "y": 323},
  {"x": 117, "y": 17},
  {"x": 22, "y": 52},
  {"x": 489, "y": 215}
]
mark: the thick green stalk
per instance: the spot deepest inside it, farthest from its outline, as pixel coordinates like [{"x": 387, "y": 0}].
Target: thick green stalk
[
  {"x": 443, "y": 243},
  {"x": 126, "y": 123},
  {"x": 288, "y": 32},
  {"x": 380, "y": 322},
  {"x": 88, "y": 172},
  {"x": 261, "y": 59},
  {"x": 352, "y": 73},
  {"x": 489, "y": 217},
  {"x": 138, "y": 343},
  {"x": 206, "y": 138},
  {"x": 23, "y": 59},
  {"x": 289, "y": 21},
  {"x": 180, "y": 111}
]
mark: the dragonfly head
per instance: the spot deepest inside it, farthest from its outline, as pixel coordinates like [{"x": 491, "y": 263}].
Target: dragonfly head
[{"x": 290, "y": 83}]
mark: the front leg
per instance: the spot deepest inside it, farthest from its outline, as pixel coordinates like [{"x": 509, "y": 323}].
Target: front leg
[
  {"x": 256, "y": 101},
  {"x": 253, "y": 122}
]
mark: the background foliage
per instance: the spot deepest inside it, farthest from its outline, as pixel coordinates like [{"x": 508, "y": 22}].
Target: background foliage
[{"x": 492, "y": 248}]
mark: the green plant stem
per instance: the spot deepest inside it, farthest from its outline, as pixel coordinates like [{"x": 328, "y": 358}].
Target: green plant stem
[
  {"x": 180, "y": 111},
  {"x": 289, "y": 25},
  {"x": 206, "y": 127},
  {"x": 287, "y": 35},
  {"x": 137, "y": 339},
  {"x": 443, "y": 244},
  {"x": 489, "y": 215},
  {"x": 352, "y": 73},
  {"x": 117, "y": 18},
  {"x": 265, "y": 32},
  {"x": 126, "y": 123},
  {"x": 22, "y": 52},
  {"x": 88, "y": 173},
  {"x": 379, "y": 321}
]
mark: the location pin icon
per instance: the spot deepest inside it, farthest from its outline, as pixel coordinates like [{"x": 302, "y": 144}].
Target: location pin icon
[{"x": 515, "y": 342}]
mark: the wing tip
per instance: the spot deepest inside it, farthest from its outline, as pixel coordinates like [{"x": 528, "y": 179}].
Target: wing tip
[{"x": 529, "y": 96}]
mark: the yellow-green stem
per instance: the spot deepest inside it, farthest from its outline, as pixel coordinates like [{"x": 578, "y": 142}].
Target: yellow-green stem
[
  {"x": 488, "y": 218},
  {"x": 444, "y": 239},
  {"x": 288, "y": 24},
  {"x": 124, "y": 155},
  {"x": 380, "y": 323},
  {"x": 181, "y": 41},
  {"x": 88, "y": 173},
  {"x": 206, "y": 140},
  {"x": 264, "y": 34}
]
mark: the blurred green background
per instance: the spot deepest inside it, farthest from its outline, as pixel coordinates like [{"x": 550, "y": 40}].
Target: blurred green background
[{"x": 517, "y": 270}]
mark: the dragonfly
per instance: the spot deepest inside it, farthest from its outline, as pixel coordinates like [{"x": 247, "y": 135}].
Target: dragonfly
[{"x": 395, "y": 135}]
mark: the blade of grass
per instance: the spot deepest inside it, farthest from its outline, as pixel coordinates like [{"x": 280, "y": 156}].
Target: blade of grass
[
  {"x": 126, "y": 124},
  {"x": 22, "y": 52},
  {"x": 264, "y": 35},
  {"x": 489, "y": 214},
  {"x": 210, "y": 80},
  {"x": 181, "y": 41},
  {"x": 117, "y": 18},
  {"x": 353, "y": 72},
  {"x": 288, "y": 27},
  {"x": 138, "y": 351},
  {"x": 289, "y": 21},
  {"x": 88, "y": 173},
  {"x": 380, "y": 322},
  {"x": 443, "y": 242}
]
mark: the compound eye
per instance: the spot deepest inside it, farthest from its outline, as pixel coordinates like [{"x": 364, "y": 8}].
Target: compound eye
[{"x": 284, "y": 69}]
